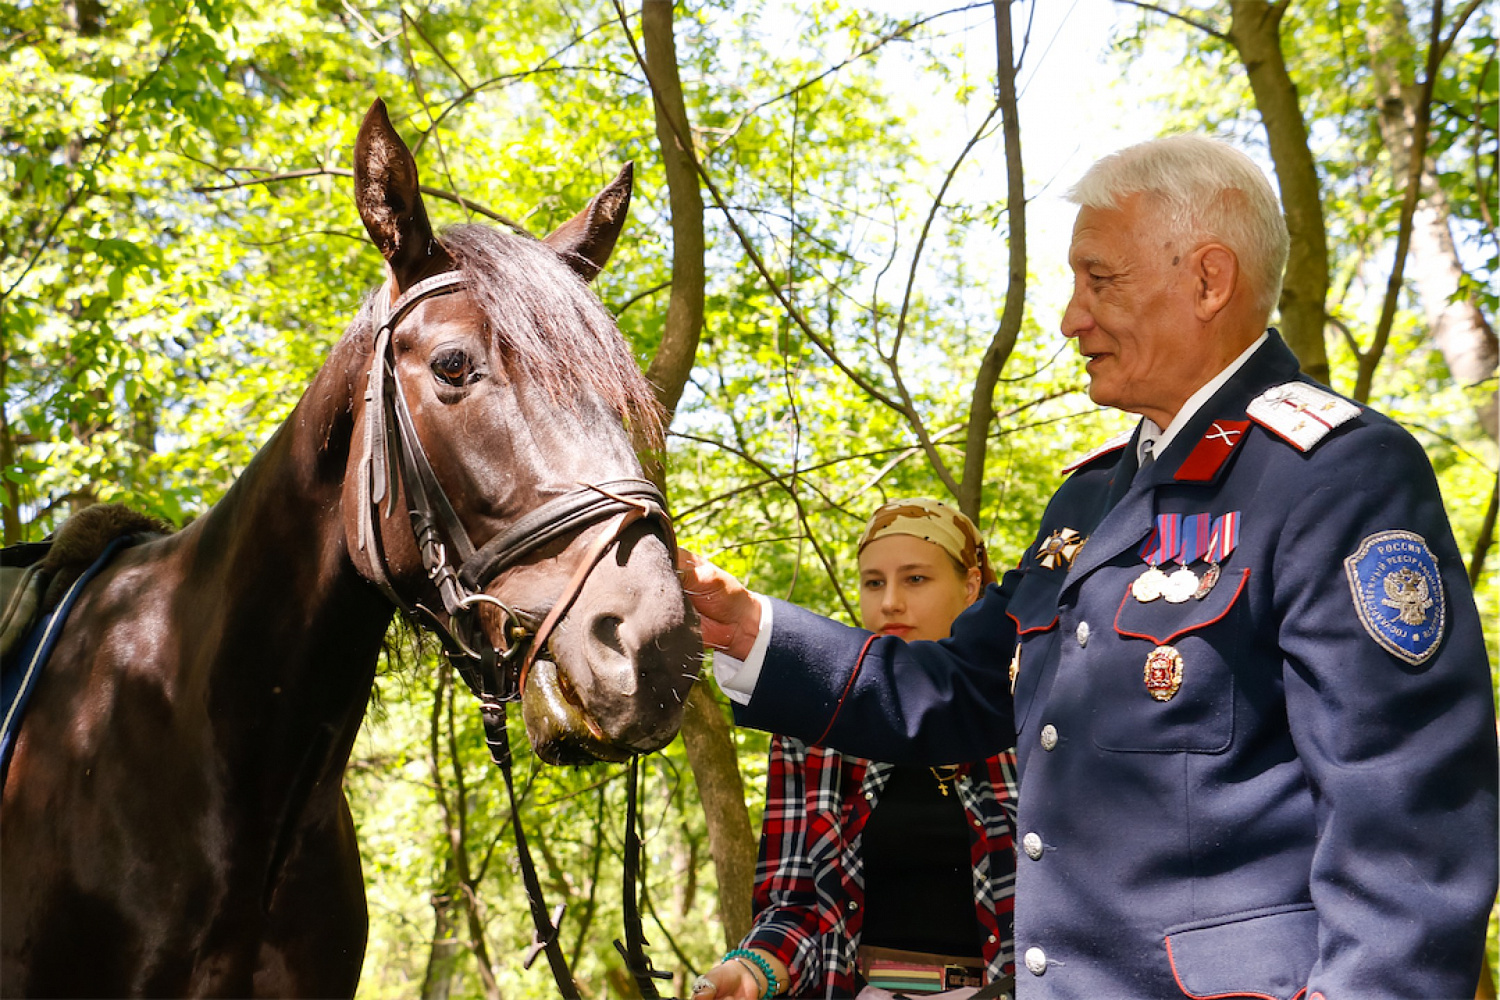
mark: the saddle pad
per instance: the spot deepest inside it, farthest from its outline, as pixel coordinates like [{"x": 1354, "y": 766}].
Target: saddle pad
[
  {"x": 21, "y": 591},
  {"x": 19, "y": 676}
]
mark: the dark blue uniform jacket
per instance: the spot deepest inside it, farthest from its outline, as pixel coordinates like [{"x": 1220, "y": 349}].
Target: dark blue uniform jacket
[{"x": 1313, "y": 811}]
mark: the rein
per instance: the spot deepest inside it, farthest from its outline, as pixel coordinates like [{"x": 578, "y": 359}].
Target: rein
[{"x": 394, "y": 460}]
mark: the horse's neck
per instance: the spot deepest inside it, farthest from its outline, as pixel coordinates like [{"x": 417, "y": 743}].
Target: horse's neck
[{"x": 294, "y": 624}]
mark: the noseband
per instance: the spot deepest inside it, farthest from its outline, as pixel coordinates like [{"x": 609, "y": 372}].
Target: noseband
[{"x": 393, "y": 459}]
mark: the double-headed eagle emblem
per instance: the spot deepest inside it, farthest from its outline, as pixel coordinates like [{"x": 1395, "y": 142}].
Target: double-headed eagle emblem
[{"x": 1406, "y": 592}]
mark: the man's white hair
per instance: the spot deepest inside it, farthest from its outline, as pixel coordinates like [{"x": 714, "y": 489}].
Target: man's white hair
[{"x": 1208, "y": 191}]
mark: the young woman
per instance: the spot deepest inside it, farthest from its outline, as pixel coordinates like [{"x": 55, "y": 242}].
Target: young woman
[{"x": 877, "y": 877}]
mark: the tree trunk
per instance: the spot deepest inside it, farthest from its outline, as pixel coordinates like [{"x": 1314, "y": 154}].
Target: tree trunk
[
  {"x": 1456, "y": 325},
  {"x": 982, "y": 402},
  {"x": 705, "y": 733},
  {"x": 673, "y": 362},
  {"x": 1255, "y": 31},
  {"x": 444, "y": 952}
]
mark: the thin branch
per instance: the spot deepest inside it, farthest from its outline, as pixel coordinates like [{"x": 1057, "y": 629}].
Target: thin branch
[
  {"x": 891, "y": 360},
  {"x": 603, "y": 782},
  {"x": 19, "y": 41},
  {"x": 345, "y": 234},
  {"x": 937, "y": 205},
  {"x": 292, "y": 175},
  {"x": 1459, "y": 20},
  {"x": 787, "y": 382},
  {"x": 802, "y": 515},
  {"x": 793, "y": 225},
  {"x": 1486, "y": 538},
  {"x": 1349, "y": 341},
  {"x": 865, "y": 384},
  {"x": 870, "y": 49},
  {"x": 1441, "y": 435},
  {"x": 1026, "y": 39},
  {"x": 111, "y": 126},
  {"x": 414, "y": 75},
  {"x": 688, "y": 514},
  {"x": 1422, "y": 113},
  {"x": 617, "y": 311},
  {"x": 509, "y": 78},
  {"x": 687, "y": 963},
  {"x": 433, "y": 47},
  {"x": 1206, "y": 29},
  {"x": 1010, "y": 379},
  {"x": 590, "y": 903}
]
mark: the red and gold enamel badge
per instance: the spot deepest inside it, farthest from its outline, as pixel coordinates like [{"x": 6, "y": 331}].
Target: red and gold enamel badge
[{"x": 1163, "y": 672}]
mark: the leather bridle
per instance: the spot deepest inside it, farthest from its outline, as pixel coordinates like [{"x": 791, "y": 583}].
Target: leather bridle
[{"x": 393, "y": 458}]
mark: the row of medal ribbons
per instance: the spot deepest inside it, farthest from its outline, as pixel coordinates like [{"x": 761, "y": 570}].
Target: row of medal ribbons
[{"x": 1184, "y": 539}]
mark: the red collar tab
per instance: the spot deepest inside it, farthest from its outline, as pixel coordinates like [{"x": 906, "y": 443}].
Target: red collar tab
[
  {"x": 1212, "y": 451},
  {"x": 1113, "y": 444}
]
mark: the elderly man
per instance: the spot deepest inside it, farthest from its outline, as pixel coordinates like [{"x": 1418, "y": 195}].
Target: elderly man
[{"x": 1246, "y": 678}]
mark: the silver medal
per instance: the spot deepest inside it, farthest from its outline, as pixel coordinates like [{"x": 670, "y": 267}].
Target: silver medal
[
  {"x": 1180, "y": 586},
  {"x": 1149, "y": 585}
]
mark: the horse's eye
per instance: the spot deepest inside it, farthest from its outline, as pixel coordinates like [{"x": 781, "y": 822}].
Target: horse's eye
[{"x": 454, "y": 367}]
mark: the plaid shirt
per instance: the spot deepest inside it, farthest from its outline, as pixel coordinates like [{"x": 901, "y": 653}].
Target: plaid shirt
[{"x": 809, "y": 881}]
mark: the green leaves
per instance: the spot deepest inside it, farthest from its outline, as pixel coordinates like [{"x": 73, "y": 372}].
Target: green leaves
[{"x": 178, "y": 251}]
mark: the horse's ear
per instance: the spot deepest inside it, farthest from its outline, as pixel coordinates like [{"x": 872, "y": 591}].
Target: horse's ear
[
  {"x": 587, "y": 239},
  {"x": 386, "y": 191}
]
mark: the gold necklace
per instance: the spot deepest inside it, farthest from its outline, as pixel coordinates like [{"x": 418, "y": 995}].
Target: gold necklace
[{"x": 945, "y": 773}]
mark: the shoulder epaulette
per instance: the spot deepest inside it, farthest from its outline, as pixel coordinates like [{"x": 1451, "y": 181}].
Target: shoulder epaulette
[
  {"x": 1113, "y": 444},
  {"x": 1300, "y": 413}
]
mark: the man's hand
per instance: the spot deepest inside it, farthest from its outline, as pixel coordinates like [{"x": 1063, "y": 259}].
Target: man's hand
[{"x": 728, "y": 615}]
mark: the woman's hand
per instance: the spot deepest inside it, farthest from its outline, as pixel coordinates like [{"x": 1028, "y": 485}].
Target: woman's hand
[
  {"x": 737, "y": 979},
  {"x": 729, "y": 615},
  {"x": 728, "y": 981}
]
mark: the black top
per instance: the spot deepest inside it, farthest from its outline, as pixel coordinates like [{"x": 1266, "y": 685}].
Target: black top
[{"x": 919, "y": 879}]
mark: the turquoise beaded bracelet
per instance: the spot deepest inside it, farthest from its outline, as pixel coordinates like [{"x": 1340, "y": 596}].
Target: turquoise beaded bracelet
[{"x": 773, "y": 986}]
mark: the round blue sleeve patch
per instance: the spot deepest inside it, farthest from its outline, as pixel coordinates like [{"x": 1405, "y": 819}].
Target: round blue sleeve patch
[{"x": 1398, "y": 593}]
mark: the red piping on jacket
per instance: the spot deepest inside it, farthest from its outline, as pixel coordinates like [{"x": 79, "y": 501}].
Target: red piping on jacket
[
  {"x": 858, "y": 662},
  {"x": 1035, "y": 628},
  {"x": 1244, "y": 578},
  {"x": 1217, "y": 996}
]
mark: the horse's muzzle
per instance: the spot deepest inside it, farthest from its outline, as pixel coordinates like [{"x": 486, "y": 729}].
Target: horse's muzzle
[{"x": 621, "y": 665}]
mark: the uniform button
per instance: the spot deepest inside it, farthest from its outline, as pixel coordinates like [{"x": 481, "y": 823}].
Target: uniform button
[
  {"x": 1082, "y": 633},
  {"x": 853, "y": 905},
  {"x": 1049, "y": 736},
  {"x": 1036, "y": 961},
  {"x": 1032, "y": 845},
  {"x": 869, "y": 796},
  {"x": 990, "y": 939}
]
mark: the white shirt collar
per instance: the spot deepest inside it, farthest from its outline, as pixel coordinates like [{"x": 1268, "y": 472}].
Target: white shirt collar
[{"x": 1157, "y": 439}]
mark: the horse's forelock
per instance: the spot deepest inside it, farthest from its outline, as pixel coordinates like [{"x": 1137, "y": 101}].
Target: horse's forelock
[{"x": 548, "y": 326}]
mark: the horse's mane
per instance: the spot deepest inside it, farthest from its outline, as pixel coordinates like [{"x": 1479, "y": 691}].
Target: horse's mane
[
  {"x": 83, "y": 538},
  {"x": 548, "y": 326}
]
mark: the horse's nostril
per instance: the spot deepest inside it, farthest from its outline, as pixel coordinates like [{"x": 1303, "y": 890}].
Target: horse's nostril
[{"x": 606, "y": 632}]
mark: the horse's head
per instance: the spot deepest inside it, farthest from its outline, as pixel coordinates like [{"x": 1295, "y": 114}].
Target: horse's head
[{"x": 516, "y": 386}]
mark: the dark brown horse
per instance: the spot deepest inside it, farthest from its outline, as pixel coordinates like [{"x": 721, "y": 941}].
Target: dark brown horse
[{"x": 173, "y": 818}]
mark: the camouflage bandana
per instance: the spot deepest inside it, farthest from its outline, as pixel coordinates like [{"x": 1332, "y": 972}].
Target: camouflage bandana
[{"x": 935, "y": 522}]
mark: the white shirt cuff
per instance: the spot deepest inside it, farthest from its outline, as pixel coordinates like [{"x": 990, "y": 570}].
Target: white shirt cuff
[{"x": 737, "y": 678}]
